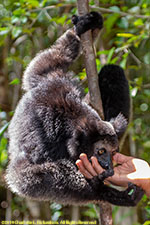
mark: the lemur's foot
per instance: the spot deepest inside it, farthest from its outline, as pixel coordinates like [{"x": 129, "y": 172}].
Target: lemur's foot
[
  {"x": 105, "y": 174},
  {"x": 133, "y": 194},
  {"x": 87, "y": 22}
]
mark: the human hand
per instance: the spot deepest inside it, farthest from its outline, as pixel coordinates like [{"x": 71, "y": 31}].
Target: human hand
[{"x": 129, "y": 169}]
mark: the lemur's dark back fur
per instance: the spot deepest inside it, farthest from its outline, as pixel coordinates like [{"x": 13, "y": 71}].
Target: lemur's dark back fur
[{"x": 52, "y": 126}]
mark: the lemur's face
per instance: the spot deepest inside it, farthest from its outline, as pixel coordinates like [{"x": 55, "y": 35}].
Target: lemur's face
[
  {"x": 104, "y": 149},
  {"x": 108, "y": 143}
]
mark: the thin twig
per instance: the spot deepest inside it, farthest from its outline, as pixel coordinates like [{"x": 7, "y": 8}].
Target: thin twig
[
  {"x": 135, "y": 58},
  {"x": 51, "y": 7},
  {"x": 103, "y": 10},
  {"x": 146, "y": 86}
]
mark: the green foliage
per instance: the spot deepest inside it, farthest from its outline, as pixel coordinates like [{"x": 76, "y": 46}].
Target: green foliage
[
  {"x": 27, "y": 26},
  {"x": 56, "y": 210},
  {"x": 91, "y": 212},
  {"x": 147, "y": 223},
  {"x": 3, "y": 146},
  {"x": 146, "y": 203},
  {"x": 3, "y": 129},
  {"x": 15, "y": 81},
  {"x": 3, "y": 152}
]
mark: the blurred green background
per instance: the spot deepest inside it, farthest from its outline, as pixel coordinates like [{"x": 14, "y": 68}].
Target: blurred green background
[{"x": 26, "y": 27}]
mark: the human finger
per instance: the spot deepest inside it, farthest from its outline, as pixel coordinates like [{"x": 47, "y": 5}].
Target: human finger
[
  {"x": 120, "y": 158},
  {"x": 87, "y": 165},
  {"x": 83, "y": 170}
]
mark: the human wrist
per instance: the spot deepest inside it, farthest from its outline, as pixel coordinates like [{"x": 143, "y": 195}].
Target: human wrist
[{"x": 146, "y": 187}]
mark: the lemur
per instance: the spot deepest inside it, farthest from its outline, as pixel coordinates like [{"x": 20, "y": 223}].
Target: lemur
[{"x": 53, "y": 125}]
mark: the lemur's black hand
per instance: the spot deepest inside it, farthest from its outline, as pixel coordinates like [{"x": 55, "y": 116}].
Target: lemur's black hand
[{"x": 90, "y": 21}]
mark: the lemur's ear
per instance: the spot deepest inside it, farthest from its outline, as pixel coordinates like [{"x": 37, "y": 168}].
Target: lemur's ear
[{"x": 120, "y": 124}]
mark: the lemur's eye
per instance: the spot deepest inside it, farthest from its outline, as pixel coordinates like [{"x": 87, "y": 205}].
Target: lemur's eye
[{"x": 101, "y": 151}]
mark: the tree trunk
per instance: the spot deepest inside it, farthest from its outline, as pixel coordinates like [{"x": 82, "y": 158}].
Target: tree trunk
[{"x": 94, "y": 92}]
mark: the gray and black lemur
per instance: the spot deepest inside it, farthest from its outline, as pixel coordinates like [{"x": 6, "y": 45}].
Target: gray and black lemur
[{"x": 52, "y": 126}]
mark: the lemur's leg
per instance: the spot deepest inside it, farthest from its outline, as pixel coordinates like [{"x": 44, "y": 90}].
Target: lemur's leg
[
  {"x": 129, "y": 197},
  {"x": 60, "y": 181},
  {"x": 53, "y": 60},
  {"x": 58, "y": 58}
]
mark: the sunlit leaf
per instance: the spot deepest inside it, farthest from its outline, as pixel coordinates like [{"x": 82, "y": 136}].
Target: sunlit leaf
[
  {"x": 126, "y": 35},
  {"x": 105, "y": 52},
  {"x": 4, "y": 30},
  {"x": 3, "y": 129},
  {"x": 23, "y": 19},
  {"x": 33, "y": 3},
  {"x": 113, "y": 61},
  {"x": 147, "y": 223},
  {"x": 139, "y": 81},
  {"x": 123, "y": 63},
  {"x": 138, "y": 22},
  {"x": 19, "y": 12},
  {"x": 135, "y": 9},
  {"x": 15, "y": 19},
  {"x": 115, "y": 8},
  {"x": 134, "y": 92},
  {"x": 16, "y": 31},
  {"x": 15, "y": 81},
  {"x": 110, "y": 54}
]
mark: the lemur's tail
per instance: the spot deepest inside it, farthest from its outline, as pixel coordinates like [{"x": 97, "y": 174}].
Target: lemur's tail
[{"x": 114, "y": 89}]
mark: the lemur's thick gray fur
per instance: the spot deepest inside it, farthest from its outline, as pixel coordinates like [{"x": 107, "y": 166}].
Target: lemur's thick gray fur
[{"x": 52, "y": 126}]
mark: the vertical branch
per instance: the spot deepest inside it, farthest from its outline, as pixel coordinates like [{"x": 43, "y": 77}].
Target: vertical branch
[
  {"x": 94, "y": 92},
  {"x": 90, "y": 64}
]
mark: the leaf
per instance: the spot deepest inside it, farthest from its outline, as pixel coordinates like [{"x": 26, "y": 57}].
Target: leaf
[
  {"x": 55, "y": 206},
  {"x": 147, "y": 223},
  {"x": 56, "y": 215},
  {"x": 4, "y": 30},
  {"x": 115, "y": 8},
  {"x": 139, "y": 81},
  {"x": 135, "y": 9},
  {"x": 90, "y": 212},
  {"x": 15, "y": 19},
  {"x": 131, "y": 192},
  {"x": 134, "y": 91},
  {"x": 105, "y": 52},
  {"x": 33, "y": 3},
  {"x": 16, "y": 31},
  {"x": 15, "y": 81},
  {"x": 60, "y": 20},
  {"x": 126, "y": 35},
  {"x": 124, "y": 60},
  {"x": 110, "y": 54},
  {"x": 3, "y": 155},
  {"x": 138, "y": 22},
  {"x": 113, "y": 61},
  {"x": 23, "y": 19},
  {"x": 123, "y": 23},
  {"x": 147, "y": 58},
  {"x": 111, "y": 21},
  {"x": 3, "y": 129},
  {"x": 19, "y": 12}
]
